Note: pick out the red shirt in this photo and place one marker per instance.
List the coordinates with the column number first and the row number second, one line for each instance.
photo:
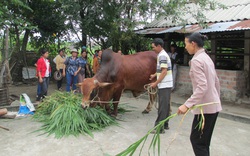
column 41, row 67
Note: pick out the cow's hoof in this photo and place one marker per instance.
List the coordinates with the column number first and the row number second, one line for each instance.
column 145, row 112
column 113, row 115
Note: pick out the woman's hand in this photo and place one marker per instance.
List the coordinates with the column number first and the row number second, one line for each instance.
column 40, row 80
column 182, row 109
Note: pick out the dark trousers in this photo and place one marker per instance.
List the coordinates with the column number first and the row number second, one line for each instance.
column 164, row 105
column 201, row 140
column 44, row 88
column 39, row 88
column 59, row 83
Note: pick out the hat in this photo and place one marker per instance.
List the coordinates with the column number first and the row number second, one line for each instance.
column 74, row 50
column 57, row 75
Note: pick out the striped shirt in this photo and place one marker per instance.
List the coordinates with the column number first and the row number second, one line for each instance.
column 163, row 61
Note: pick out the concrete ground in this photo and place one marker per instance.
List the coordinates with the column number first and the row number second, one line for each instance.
column 230, row 138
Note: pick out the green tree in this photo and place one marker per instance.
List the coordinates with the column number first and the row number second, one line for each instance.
column 110, row 22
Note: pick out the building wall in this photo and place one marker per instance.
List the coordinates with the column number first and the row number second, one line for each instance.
column 232, row 83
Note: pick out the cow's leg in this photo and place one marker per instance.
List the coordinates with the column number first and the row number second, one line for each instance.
column 152, row 98
column 116, row 99
column 105, row 95
column 107, row 107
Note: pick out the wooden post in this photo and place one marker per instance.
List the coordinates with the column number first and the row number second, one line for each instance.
column 247, row 57
column 3, row 111
column 5, row 57
column 213, row 47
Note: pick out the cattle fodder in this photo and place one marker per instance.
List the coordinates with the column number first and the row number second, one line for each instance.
column 155, row 142
column 62, row 115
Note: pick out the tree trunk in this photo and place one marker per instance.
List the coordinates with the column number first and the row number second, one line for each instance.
column 17, row 38
column 25, row 40
column 23, row 50
column 6, row 44
column 84, row 39
column 59, row 43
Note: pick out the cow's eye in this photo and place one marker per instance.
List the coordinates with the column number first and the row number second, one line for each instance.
column 93, row 94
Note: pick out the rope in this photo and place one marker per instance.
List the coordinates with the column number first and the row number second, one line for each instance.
column 151, row 91
column 147, row 87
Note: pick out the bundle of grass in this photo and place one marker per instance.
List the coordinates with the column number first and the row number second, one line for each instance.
column 63, row 115
column 155, row 142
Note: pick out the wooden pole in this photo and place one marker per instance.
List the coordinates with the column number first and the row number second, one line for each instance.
column 3, row 111
column 7, row 129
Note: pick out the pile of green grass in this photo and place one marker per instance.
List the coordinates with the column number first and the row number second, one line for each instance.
column 62, row 115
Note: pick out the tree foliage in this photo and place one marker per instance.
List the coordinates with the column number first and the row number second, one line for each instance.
column 107, row 22
column 111, row 22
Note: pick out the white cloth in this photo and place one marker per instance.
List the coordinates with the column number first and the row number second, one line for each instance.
column 28, row 102
column 47, row 67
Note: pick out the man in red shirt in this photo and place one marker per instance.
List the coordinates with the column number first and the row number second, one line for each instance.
column 43, row 73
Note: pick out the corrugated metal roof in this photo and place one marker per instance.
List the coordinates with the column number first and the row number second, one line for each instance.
column 237, row 10
column 212, row 27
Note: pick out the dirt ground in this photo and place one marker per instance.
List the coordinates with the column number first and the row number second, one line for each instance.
column 230, row 138
column 30, row 88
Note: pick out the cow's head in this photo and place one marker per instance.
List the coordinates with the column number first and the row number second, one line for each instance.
column 88, row 86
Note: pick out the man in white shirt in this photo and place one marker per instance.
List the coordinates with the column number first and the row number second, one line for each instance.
column 164, row 82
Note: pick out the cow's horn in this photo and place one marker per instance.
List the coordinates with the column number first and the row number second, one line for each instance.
column 101, row 84
column 104, row 84
column 96, row 82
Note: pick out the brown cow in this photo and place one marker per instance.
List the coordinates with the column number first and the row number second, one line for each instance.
column 119, row 73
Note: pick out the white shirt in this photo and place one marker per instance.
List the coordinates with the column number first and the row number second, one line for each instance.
column 47, row 68
column 163, row 61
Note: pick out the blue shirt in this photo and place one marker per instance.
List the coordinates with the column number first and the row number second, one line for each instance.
column 82, row 62
column 71, row 65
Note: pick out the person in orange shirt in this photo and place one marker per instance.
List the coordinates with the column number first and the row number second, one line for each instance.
column 97, row 62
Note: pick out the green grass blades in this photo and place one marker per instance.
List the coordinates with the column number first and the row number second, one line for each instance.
column 62, row 115
column 154, row 142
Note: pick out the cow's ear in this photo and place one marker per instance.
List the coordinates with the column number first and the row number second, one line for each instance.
column 79, row 84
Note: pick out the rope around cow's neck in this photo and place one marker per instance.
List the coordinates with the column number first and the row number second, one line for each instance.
column 147, row 87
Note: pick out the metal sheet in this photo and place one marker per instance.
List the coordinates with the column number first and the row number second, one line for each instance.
column 212, row 27
column 236, row 10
